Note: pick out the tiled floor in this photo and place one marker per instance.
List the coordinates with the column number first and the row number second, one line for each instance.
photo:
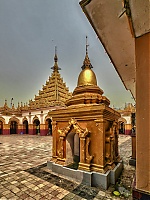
column 24, row 176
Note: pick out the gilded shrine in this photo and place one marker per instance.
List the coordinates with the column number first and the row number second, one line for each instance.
column 85, row 133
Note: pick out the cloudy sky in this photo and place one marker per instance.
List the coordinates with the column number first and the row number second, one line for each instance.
column 29, row 31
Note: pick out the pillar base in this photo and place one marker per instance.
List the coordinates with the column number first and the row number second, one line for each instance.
column 139, row 194
column 84, row 166
column 98, row 168
column 132, row 162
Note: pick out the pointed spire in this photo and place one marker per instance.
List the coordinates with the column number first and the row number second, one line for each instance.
column 55, row 57
column 55, row 67
column 87, row 45
column 5, row 101
column 5, row 104
column 21, row 104
column 18, row 106
column 13, row 106
column 86, row 62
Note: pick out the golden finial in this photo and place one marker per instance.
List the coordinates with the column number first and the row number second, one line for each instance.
column 18, row 105
column 87, row 44
column 86, row 62
column 55, row 57
column 55, row 67
column 5, row 104
column 21, row 104
column 5, row 101
column 13, row 106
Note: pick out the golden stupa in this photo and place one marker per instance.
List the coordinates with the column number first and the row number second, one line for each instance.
column 87, row 76
column 86, row 131
column 87, row 91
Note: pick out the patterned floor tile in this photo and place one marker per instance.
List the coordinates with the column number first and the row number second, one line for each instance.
column 24, row 176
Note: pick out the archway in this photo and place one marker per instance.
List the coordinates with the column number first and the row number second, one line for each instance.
column 25, row 127
column 122, row 121
column 72, row 150
column 13, row 127
column 36, row 127
column 1, row 127
column 48, row 123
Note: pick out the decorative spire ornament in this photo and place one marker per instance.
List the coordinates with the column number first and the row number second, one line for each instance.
column 55, row 67
column 86, row 62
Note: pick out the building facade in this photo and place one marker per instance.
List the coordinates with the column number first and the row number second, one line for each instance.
column 126, row 123
column 33, row 118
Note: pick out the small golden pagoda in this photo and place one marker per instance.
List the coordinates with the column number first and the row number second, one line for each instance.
column 85, row 133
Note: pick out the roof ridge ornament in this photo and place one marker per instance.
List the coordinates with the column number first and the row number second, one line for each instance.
column 55, row 67
column 86, row 62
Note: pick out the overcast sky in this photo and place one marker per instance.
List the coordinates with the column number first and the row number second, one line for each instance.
column 29, row 31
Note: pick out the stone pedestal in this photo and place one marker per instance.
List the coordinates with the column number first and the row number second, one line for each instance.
column 93, row 179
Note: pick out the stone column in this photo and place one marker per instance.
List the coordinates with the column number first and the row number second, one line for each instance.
column 108, row 147
column 6, row 129
column 82, row 164
column 41, row 117
column 112, row 148
column 30, row 122
column 54, row 148
column 82, row 150
column 20, row 129
column 128, row 128
column 99, row 162
column 116, row 132
column 43, row 130
column 142, row 51
column 61, row 150
column 31, row 132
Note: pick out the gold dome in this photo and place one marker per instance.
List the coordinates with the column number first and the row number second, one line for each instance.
column 87, row 77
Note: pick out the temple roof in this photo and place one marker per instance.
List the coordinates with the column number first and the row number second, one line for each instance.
column 6, row 110
column 54, row 92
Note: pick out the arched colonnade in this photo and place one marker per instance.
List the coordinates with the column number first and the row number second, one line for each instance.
column 14, row 126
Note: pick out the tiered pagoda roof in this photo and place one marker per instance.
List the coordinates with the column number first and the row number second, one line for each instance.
column 53, row 93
